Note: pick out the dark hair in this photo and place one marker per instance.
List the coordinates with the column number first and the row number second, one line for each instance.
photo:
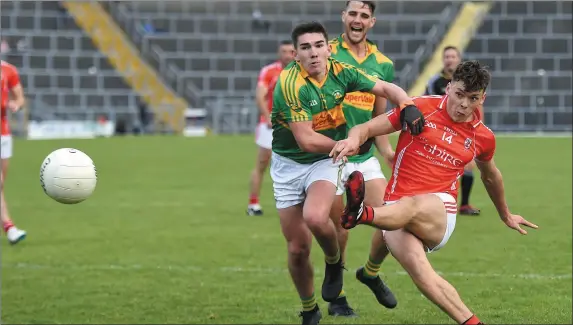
column 370, row 4
column 450, row 47
column 307, row 28
column 473, row 74
column 285, row 42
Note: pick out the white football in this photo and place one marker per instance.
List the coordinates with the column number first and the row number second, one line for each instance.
column 68, row 176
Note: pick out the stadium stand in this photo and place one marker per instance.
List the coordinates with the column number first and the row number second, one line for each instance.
column 209, row 54
column 112, row 41
column 64, row 74
column 528, row 46
column 219, row 37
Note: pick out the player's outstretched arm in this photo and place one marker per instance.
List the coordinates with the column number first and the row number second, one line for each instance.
column 394, row 93
column 493, row 182
column 309, row 140
column 380, row 125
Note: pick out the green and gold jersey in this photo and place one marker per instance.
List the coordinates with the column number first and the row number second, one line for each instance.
column 358, row 106
column 298, row 98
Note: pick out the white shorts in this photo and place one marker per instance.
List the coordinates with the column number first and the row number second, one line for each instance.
column 451, row 213
column 264, row 136
column 5, row 146
column 291, row 180
column 370, row 169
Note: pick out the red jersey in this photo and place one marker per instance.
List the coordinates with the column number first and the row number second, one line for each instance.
column 433, row 161
column 268, row 78
column 9, row 79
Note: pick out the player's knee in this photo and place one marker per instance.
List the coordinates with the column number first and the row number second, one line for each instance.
column 263, row 160
column 298, row 251
column 260, row 169
column 317, row 219
column 262, row 165
column 410, row 206
column 421, row 272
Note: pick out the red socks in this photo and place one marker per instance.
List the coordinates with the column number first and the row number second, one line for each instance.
column 367, row 215
column 7, row 226
column 254, row 199
column 472, row 321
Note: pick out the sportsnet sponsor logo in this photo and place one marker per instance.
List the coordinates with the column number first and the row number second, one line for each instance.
column 360, row 100
column 441, row 156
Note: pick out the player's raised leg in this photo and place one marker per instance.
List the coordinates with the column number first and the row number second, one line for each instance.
column 299, row 243
column 410, row 253
column 411, row 212
column 466, row 188
column 427, row 217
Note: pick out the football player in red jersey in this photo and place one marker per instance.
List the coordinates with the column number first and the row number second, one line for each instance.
column 12, row 98
column 419, row 214
column 437, row 85
column 264, row 133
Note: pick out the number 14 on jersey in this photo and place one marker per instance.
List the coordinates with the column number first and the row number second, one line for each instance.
column 447, row 138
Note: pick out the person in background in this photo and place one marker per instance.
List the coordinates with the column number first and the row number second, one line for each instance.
column 264, row 134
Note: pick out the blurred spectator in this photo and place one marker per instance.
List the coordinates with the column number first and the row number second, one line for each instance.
column 64, row 17
column 22, row 45
column 4, row 46
column 145, row 116
column 259, row 22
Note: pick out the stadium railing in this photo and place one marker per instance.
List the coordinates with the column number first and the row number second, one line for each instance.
column 232, row 116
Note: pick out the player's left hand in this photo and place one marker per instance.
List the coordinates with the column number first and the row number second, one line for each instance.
column 514, row 221
column 412, row 119
column 13, row 106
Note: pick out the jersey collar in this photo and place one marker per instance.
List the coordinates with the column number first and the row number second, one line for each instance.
column 370, row 49
column 305, row 75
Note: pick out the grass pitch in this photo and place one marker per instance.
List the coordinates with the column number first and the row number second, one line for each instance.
column 165, row 239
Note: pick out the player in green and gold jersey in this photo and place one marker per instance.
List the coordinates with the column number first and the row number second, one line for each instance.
column 307, row 119
column 354, row 48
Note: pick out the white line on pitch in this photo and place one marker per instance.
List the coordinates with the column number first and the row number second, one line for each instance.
column 179, row 268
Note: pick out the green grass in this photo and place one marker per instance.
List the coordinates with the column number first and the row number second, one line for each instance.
column 165, row 239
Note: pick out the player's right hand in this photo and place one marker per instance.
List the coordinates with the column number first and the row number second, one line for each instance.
column 412, row 119
column 269, row 122
column 344, row 148
column 13, row 106
column 514, row 221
